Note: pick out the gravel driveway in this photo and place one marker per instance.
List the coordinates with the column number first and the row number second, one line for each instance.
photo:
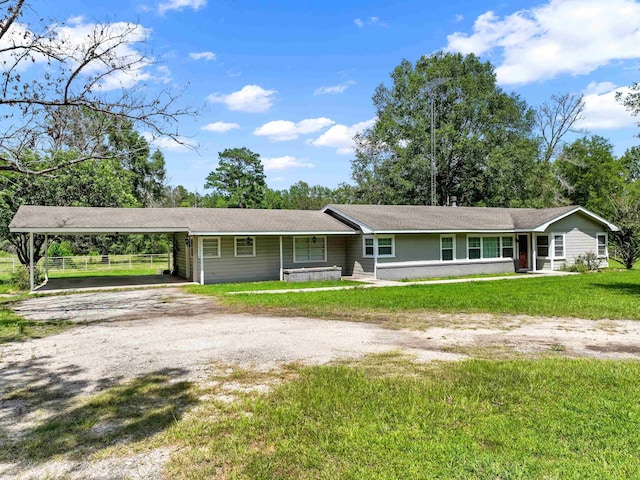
column 127, row 334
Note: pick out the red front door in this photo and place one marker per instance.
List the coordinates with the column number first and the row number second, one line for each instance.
column 523, row 251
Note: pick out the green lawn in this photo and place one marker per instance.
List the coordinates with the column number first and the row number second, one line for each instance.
column 612, row 294
column 271, row 285
column 15, row 328
column 517, row 419
column 136, row 270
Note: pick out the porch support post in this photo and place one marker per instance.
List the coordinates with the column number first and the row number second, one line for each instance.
column 46, row 257
column 534, row 252
column 31, row 273
column 201, row 254
column 552, row 249
column 375, row 256
column 281, row 262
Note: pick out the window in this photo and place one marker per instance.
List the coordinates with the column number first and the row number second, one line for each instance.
column 384, row 243
column 368, row 247
column 447, row 248
column 507, row 247
column 558, row 246
column 309, row 249
column 489, row 247
column 474, row 248
column 245, row 246
column 543, row 246
column 602, row 244
column 211, row 247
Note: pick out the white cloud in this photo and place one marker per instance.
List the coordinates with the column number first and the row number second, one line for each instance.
column 560, row 37
column 284, row 163
column 220, row 127
column 166, row 143
column 202, row 56
column 602, row 110
column 180, row 5
column 340, row 137
column 282, row 130
column 251, row 99
column 369, row 22
column 334, row 89
column 459, row 17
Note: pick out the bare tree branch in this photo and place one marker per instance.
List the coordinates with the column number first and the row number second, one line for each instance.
column 48, row 73
column 555, row 119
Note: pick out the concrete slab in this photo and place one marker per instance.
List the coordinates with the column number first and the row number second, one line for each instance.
column 79, row 284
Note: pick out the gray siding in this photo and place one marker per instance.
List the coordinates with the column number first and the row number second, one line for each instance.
column 335, row 253
column 266, row 264
column 180, row 268
column 445, row 269
column 414, row 247
column 355, row 263
column 580, row 238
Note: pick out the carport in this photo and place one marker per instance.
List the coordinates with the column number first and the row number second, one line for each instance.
column 57, row 221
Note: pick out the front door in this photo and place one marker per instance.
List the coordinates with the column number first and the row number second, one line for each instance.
column 523, row 252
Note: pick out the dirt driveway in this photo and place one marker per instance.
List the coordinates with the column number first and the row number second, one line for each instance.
column 127, row 335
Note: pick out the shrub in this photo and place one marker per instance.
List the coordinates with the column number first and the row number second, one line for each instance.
column 588, row 262
column 20, row 277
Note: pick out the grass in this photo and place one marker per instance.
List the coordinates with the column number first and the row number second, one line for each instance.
column 607, row 295
column 222, row 288
column 14, row 328
column 137, row 270
column 483, row 275
column 389, row 418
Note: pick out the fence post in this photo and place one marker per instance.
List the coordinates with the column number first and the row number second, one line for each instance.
column 62, row 264
column 109, row 261
column 86, row 264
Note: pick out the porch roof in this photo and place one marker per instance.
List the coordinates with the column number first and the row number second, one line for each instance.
column 195, row 221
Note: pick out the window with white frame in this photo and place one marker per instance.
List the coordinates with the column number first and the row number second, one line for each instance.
column 601, row 243
column 507, row 247
column 447, row 248
column 489, row 246
column 542, row 243
column 211, row 247
column 245, row 246
column 558, row 245
column 385, row 245
column 309, row 249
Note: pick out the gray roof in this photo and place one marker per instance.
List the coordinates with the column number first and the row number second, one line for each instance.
column 192, row 220
column 398, row 218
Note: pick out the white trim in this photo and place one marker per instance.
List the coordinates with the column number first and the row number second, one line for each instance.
column 544, row 226
column 376, row 247
column 431, row 263
column 281, row 261
column 253, row 233
column 534, row 252
column 363, row 226
column 201, row 254
column 86, row 230
column 453, row 249
column 548, row 245
column 323, row 237
column 195, row 259
column 31, row 265
column 187, row 256
column 235, row 246
column 217, row 255
column 606, row 244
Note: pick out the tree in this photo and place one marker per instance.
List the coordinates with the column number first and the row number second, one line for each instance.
column 473, row 118
column 239, row 178
column 589, row 173
column 100, row 184
column 625, row 214
column 50, row 76
column 301, row 196
column 555, row 119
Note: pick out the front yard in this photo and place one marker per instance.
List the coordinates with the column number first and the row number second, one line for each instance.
column 606, row 295
column 184, row 387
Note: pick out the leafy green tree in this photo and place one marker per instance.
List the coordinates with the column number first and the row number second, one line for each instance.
column 625, row 214
column 105, row 184
column 589, row 173
column 239, row 178
column 301, row 196
column 474, row 118
column 631, row 162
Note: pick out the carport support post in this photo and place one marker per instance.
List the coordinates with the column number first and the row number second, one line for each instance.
column 375, row 256
column 46, row 257
column 281, row 264
column 201, row 254
column 31, row 275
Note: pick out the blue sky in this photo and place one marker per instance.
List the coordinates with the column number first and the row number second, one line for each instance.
column 293, row 80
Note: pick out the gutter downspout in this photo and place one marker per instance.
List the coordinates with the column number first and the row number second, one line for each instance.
column 31, row 273
column 534, row 251
column 281, row 262
column 552, row 250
